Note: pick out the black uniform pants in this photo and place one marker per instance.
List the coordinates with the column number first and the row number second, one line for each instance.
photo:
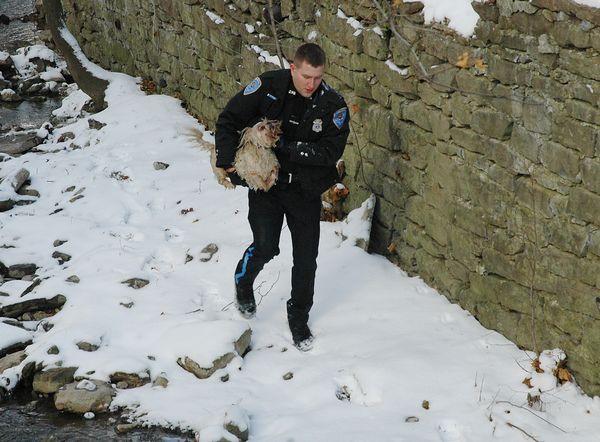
column 266, row 213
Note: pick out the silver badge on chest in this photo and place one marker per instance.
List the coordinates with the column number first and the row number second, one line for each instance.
column 317, row 125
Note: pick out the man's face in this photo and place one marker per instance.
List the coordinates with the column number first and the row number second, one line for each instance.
column 306, row 77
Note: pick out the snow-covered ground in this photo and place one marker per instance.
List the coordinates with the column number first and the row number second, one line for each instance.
column 385, row 343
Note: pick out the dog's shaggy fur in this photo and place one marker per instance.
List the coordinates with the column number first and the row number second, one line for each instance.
column 255, row 162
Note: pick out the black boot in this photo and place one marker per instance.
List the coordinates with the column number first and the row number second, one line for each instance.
column 245, row 301
column 298, row 321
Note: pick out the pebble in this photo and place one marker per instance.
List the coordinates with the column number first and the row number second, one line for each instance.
column 89, row 415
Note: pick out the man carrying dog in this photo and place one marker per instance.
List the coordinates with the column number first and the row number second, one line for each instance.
column 315, row 129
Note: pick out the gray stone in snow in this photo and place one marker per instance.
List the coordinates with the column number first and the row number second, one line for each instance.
column 32, row 305
column 61, row 257
column 70, row 398
column 17, row 271
column 95, row 124
column 159, row 165
column 49, row 381
column 136, row 283
column 130, row 380
column 241, row 346
column 59, row 242
column 53, row 350
column 66, row 136
column 86, row 346
column 74, row 279
column 161, row 381
column 207, row 252
column 289, row 375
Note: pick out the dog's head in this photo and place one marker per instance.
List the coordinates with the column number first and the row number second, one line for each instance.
column 265, row 133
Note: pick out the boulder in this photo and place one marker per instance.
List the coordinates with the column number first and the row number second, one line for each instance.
column 9, row 95
column 32, row 305
column 12, row 360
column 237, row 423
column 17, row 271
column 49, row 381
column 78, row 397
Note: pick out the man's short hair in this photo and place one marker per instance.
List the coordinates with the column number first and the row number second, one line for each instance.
column 312, row 53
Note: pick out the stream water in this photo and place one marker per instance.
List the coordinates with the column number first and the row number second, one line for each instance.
column 26, row 418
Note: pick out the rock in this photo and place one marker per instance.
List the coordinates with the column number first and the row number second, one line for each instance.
column 26, row 191
column 59, row 242
column 89, row 415
column 78, row 400
column 131, row 380
column 289, row 375
column 32, row 305
column 122, row 385
column 127, row 304
column 136, row 283
column 6, row 205
column 16, row 179
column 17, row 271
column 74, row 279
column 126, row 428
column 61, row 257
column 158, row 165
column 237, row 423
column 32, row 286
column 12, row 360
column 411, row 419
column 3, row 269
column 4, row 19
column 86, row 346
column 53, row 350
column 241, row 346
column 207, row 252
column 161, row 381
column 49, row 381
column 66, row 136
column 95, row 124
column 9, row 95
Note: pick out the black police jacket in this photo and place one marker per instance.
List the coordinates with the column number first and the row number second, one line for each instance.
column 320, row 137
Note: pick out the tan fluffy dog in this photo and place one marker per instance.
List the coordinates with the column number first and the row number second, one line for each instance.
column 255, row 162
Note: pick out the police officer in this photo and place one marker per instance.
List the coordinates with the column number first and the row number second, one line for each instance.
column 315, row 129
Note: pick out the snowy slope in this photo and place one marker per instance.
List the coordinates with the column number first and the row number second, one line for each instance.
column 385, row 341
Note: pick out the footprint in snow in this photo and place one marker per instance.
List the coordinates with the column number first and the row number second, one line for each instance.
column 451, row 431
column 173, row 234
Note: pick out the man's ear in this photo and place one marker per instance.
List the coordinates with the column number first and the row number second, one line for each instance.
column 292, row 67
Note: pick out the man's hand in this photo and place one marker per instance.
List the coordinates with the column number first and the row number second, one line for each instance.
column 230, row 169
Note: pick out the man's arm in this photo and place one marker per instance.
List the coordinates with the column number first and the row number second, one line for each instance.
column 238, row 113
column 327, row 150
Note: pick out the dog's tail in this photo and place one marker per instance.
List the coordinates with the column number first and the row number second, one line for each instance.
column 197, row 136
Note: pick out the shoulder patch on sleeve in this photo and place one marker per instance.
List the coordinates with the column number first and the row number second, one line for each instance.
column 253, row 86
column 339, row 116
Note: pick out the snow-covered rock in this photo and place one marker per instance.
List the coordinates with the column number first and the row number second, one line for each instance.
column 76, row 399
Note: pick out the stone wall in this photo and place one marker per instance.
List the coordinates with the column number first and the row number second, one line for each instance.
column 486, row 165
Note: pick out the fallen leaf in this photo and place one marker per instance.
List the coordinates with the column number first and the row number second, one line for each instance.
column 527, row 381
column 479, row 64
column 425, row 404
column 463, row 61
column 536, row 365
column 391, row 248
column 563, row 375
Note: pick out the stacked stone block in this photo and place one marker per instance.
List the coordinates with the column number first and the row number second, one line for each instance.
column 486, row 166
